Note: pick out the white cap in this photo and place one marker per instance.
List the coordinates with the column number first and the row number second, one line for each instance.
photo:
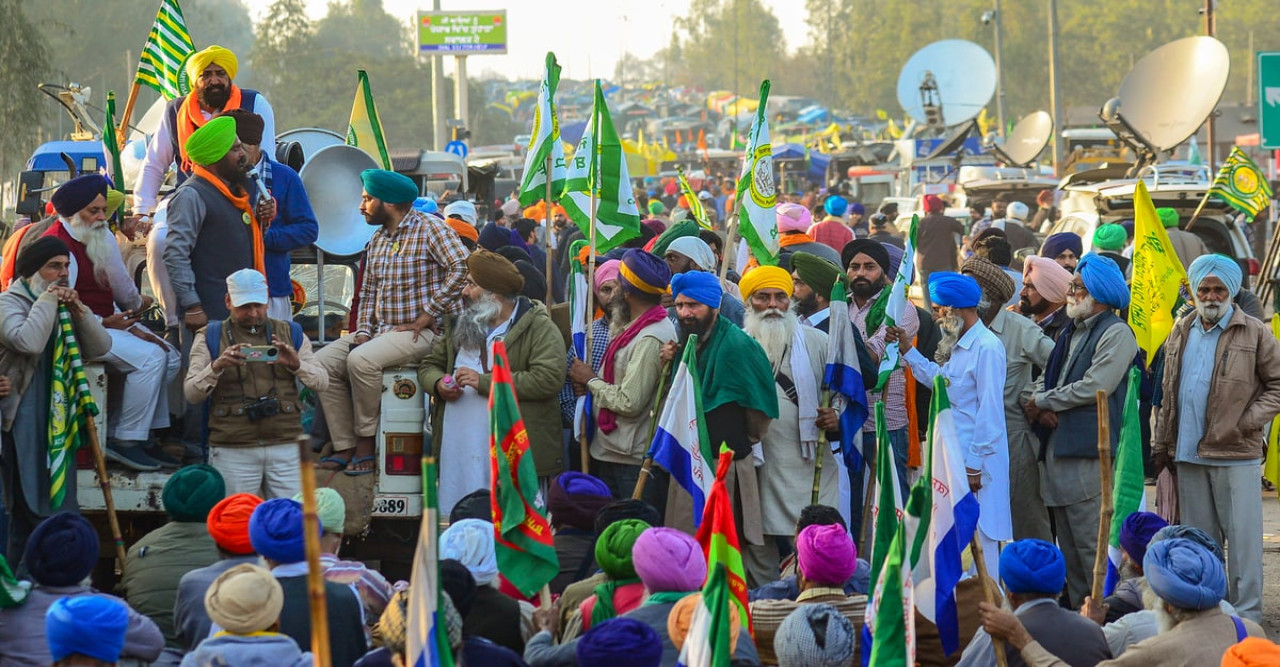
column 247, row 286
column 1017, row 210
column 510, row 208
column 463, row 209
column 704, row 195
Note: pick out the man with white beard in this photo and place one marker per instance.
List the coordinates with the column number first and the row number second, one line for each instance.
column 1093, row 353
column 797, row 355
column 1221, row 389
column 972, row 360
column 458, row 372
column 146, row 363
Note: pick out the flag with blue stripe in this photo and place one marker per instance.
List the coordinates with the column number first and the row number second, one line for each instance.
column 843, row 379
column 680, row 443
column 426, row 638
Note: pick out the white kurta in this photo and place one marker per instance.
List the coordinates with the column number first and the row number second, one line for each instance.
column 975, row 375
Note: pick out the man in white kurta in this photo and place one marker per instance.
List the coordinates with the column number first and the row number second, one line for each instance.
column 790, row 447
column 973, row 364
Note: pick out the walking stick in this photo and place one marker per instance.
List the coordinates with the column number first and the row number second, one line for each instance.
column 658, row 398
column 1104, row 514
column 980, row 563
column 315, row 577
column 822, row 444
column 104, row 483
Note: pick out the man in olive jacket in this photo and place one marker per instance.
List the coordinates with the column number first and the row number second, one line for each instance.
column 458, row 371
column 1221, row 389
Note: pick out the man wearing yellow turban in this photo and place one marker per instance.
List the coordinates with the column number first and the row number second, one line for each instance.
column 210, row 73
column 797, row 355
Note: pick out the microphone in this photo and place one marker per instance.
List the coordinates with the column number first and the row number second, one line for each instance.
column 263, row 195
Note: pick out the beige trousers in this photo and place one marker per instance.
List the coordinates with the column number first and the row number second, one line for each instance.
column 351, row 403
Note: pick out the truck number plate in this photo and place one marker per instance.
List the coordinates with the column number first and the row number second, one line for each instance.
column 391, row 506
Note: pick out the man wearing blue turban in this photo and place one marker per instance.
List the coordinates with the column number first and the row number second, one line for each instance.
column 1093, row 353
column 972, row 360
column 1222, row 387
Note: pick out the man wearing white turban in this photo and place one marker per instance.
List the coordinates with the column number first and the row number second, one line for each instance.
column 1221, row 388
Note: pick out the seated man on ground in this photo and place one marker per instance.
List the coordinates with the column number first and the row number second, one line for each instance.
column 245, row 602
column 228, row 525
column 86, row 630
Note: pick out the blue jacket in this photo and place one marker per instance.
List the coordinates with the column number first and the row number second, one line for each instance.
column 294, row 226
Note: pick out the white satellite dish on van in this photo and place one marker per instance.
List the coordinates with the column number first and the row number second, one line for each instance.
column 947, row 82
column 1027, row 141
column 1167, row 96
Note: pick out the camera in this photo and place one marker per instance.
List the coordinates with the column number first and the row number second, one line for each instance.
column 260, row 353
column 261, row 408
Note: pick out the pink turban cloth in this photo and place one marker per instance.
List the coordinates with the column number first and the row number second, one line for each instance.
column 793, row 218
column 1048, row 277
column 826, row 554
column 667, row 559
column 605, row 272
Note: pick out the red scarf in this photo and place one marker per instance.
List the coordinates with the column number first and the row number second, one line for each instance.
column 242, row 203
column 608, row 421
column 190, row 119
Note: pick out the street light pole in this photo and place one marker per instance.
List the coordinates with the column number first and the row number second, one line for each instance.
column 999, row 18
column 1055, row 89
column 1210, row 27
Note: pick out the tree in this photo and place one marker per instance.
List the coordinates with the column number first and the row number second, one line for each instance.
column 283, row 33
column 24, row 54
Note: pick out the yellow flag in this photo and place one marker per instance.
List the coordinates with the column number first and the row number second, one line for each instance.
column 364, row 130
column 1157, row 276
column 984, row 122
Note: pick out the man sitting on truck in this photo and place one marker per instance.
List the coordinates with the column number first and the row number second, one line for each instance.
column 246, row 368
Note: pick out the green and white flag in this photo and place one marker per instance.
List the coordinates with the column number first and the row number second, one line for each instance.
column 757, row 192
column 598, row 167
column 544, row 142
column 890, row 307
column 165, row 53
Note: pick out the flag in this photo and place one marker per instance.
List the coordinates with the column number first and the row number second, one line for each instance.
column 1193, row 151
column 426, row 637
column 680, row 441
column 941, row 517
column 886, row 516
column 757, row 222
column 718, row 536
column 696, row 211
column 890, row 307
column 364, row 130
column 891, row 642
column 544, row 142
column 599, row 169
column 1242, row 184
column 702, row 143
column 844, row 380
column 70, row 405
column 1128, row 488
column 525, row 549
column 579, row 320
column 1157, row 276
column 111, row 148
column 165, row 53
column 708, row 642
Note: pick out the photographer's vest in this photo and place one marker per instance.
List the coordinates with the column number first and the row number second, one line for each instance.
column 229, row 426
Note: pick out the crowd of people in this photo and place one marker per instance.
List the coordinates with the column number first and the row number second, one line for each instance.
column 1024, row 351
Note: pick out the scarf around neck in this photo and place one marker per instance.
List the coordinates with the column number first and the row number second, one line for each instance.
column 608, row 421
column 241, row 202
column 191, row 118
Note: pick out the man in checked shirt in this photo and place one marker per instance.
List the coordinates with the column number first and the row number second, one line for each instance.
column 415, row 267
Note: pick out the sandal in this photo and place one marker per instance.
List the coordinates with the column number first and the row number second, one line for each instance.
column 358, row 460
column 339, row 464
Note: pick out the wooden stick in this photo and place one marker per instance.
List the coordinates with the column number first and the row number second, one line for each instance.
column 822, row 445
column 122, row 130
column 546, row 201
column 980, row 564
column 315, row 576
column 104, row 483
column 1195, row 216
column 869, row 481
column 658, row 398
column 730, row 231
column 1104, row 514
column 544, row 597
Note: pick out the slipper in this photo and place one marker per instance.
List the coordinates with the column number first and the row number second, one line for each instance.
column 360, row 459
column 341, row 463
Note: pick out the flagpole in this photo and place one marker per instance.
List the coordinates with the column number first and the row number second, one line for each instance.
column 125, row 117
column 584, row 448
column 104, row 483
column 1107, row 508
column 822, row 444
column 980, row 564
column 1203, row 200
column 664, row 375
column 547, row 228
column 311, row 535
column 730, row 231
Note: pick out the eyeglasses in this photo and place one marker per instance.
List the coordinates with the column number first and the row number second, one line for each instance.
column 1072, row 288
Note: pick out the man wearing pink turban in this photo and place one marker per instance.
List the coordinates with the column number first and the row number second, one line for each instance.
column 794, row 222
column 1044, row 293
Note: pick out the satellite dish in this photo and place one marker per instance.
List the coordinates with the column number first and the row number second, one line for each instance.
column 1027, row 141
column 954, row 142
column 1168, row 95
column 947, row 82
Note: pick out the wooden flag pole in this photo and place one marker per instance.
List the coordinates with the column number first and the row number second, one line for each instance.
column 822, row 445
column 731, row 231
column 546, row 204
column 653, row 429
column 122, row 130
column 104, row 483
column 583, row 447
column 988, row 592
column 315, row 576
column 1194, row 216
column 1104, row 514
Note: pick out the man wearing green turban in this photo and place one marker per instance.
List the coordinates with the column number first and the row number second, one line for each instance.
column 622, row 590
column 1109, row 241
column 1186, row 244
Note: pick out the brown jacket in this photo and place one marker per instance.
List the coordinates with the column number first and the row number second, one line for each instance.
column 1244, row 394
column 1196, row 642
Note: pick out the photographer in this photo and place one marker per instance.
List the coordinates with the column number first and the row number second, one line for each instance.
column 245, row 369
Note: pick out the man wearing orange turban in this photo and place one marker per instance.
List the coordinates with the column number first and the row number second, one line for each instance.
column 228, row 524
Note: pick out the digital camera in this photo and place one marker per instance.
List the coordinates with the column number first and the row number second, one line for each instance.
column 261, row 408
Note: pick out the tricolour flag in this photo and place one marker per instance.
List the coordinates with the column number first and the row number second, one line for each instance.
column 757, row 191
column 364, row 130
column 708, row 643
column 426, row 637
column 599, row 169
column 165, row 53
column 941, row 518
column 680, row 442
column 718, row 536
column 1158, row 276
column 544, row 142
column 890, row 307
column 525, row 549
column 579, row 320
column 886, row 518
column 696, row 211
column 1242, row 184
column 70, row 406
column 843, row 378
column 1128, row 489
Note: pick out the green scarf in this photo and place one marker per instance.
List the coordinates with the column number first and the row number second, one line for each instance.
column 604, row 609
column 733, row 368
column 665, row 597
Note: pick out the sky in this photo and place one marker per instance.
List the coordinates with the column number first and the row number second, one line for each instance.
column 587, row 36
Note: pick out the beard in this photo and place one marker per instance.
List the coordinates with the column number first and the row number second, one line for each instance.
column 865, row 289
column 98, row 245
column 471, row 331
column 40, row 285
column 618, row 314
column 696, row 325
column 773, row 329
column 377, row 217
column 1081, row 308
column 1211, row 312
column 985, row 307
column 1027, row 308
column 806, row 307
column 951, row 325
column 213, row 97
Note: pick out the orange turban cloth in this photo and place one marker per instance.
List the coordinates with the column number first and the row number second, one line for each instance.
column 228, row 523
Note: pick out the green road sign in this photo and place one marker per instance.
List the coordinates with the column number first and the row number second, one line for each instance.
column 1269, row 99
column 462, row 33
